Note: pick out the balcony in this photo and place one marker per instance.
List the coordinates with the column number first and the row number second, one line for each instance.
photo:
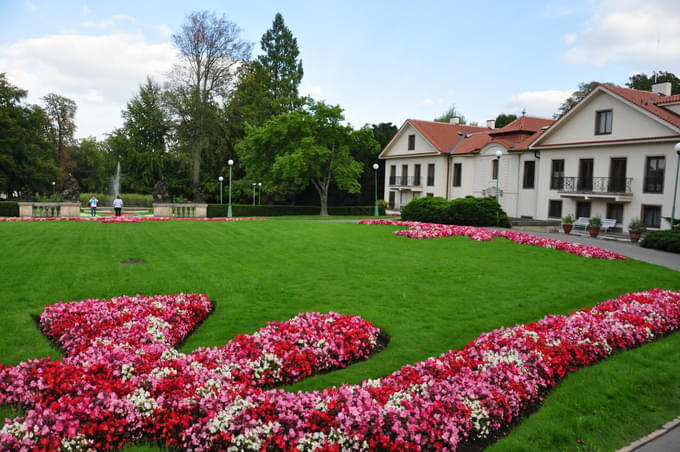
column 615, row 188
column 413, row 183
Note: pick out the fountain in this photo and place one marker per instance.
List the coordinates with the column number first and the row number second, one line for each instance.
column 115, row 183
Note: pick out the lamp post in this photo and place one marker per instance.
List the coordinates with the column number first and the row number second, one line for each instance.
column 220, row 179
column 54, row 187
column 675, row 191
column 231, row 163
column 498, row 176
column 254, row 184
column 375, row 170
column 259, row 193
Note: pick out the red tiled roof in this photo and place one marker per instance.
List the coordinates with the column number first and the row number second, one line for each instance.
column 647, row 101
column 524, row 144
column 443, row 135
column 523, row 124
column 668, row 99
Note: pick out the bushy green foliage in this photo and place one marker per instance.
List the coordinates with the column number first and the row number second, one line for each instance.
column 427, row 210
column 9, row 209
column 468, row 211
column 248, row 210
column 129, row 199
column 668, row 240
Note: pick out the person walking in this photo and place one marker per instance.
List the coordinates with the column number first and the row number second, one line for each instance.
column 93, row 206
column 118, row 205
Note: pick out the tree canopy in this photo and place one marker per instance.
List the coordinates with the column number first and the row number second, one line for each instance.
column 503, row 120
column 644, row 82
column 451, row 113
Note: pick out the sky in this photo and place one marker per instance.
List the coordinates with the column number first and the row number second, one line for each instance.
column 381, row 61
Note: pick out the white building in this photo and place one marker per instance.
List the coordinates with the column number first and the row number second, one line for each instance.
column 612, row 156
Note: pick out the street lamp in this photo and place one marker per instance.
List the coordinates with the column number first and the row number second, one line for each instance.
column 231, row 163
column 259, row 193
column 675, row 191
column 220, row 179
column 498, row 176
column 254, row 184
column 375, row 169
column 54, row 189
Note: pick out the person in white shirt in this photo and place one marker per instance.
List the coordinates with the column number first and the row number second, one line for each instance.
column 118, row 205
column 93, row 206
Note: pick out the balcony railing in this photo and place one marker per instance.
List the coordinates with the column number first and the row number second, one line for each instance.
column 592, row 184
column 405, row 181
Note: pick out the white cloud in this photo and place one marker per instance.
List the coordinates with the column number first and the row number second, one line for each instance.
column 86, row 10
column 570, row 38
column 115, row 21
column 535, row 103
column 630, row 32
column 31, row 6
column 164, row 30
column 431, row 102
column 100, row 73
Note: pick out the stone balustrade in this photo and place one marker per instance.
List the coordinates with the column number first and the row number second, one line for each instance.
column 180, row 210
column 49, row 209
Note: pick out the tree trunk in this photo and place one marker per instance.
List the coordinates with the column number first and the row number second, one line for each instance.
column 322, row 190
column 196, row 157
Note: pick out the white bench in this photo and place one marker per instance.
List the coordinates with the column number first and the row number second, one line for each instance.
column 582, row 222
column 608, row 224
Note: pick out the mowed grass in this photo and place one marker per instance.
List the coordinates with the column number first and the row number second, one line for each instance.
column 428, row 295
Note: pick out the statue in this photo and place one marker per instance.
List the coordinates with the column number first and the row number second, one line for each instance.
column 160, row 192
column 25, row 193
column 71, row 191
column 199, row 196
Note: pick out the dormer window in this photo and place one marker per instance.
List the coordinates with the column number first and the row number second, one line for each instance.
column 411, row 142
column 603, row 122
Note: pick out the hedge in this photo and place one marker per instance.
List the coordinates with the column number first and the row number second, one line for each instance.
column 248, row 210
column 9, row 209
column 668, row 240
column 468, row 211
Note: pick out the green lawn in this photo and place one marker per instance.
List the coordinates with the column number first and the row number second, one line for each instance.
column 428, row 295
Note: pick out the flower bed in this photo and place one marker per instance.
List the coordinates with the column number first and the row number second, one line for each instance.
column 123, row 380
column 417, row 230
column 123, row 219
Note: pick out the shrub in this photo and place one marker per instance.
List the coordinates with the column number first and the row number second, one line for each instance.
column 668, row 240
column 129, row 199
column 471, row 211
column 427, row 210
column 9, row 209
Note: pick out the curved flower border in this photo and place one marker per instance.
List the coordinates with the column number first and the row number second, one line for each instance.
column 123, row 380
column 417, row 230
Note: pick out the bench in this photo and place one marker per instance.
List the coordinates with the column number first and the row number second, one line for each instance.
column 582, row 222
column 608, row 224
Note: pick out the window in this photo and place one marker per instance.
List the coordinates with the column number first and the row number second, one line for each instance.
column 529, row 174
column 404, row 174
column 615, row 212
column 582, row 209
column 651, row 216
column 585, row 175
column 494, row 169
column 555, row 208
column 430, row 174
column 393, row 174
column 430, row 195
column 457, row 174
column 603, row 122
column 654, row 174
column 617, row 176
column 557, row 175
column 416, row 175
column 411, row 142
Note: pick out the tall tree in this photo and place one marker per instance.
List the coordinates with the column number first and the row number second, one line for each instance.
column 306, row 146
column 451, row 113
column 61, row 112
column 503, row 120
column 94, row 165
column 211, row 49
column 583, row 90
column 26, row 156
column 140, row 144
column 644, row 82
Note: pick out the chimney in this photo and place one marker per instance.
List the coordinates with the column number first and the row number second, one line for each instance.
column 491, row 123
column 663, row 88
column 454, row 120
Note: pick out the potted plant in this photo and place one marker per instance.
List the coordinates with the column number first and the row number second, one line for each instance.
column 567, row 223
column 635, row 229
column 595, row 223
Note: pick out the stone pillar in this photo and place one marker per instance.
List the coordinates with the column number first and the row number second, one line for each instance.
column 162, row 209
column 201, row 211
column 25, row 209
column 69, row 209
